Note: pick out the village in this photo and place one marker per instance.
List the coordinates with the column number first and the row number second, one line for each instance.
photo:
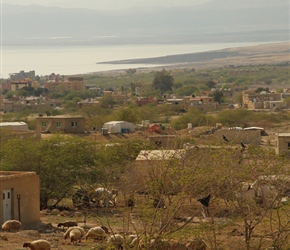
column 204, row 170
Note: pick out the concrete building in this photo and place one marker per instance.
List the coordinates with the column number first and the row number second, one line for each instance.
column 239, row 135
column 16, row 130
column 204, row 103
column 19, row 84
column 20, row 197
column 60, row 124
column 22, row 74
column 283, row 144
column 14, row 125
column 253, row 100
column 37, row 104
column 72, row 83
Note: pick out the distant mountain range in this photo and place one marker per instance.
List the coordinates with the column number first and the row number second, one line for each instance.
column 215, row 21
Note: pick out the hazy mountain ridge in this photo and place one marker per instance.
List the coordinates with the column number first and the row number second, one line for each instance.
column 37, row 24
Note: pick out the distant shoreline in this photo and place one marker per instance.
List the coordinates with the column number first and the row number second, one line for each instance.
column 272, row 53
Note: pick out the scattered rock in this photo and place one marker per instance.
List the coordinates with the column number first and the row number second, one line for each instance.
column 4, row 237
column 55, row 212
column 66, row 213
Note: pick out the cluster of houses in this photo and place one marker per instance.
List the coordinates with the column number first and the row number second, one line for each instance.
column 20, row 190
column 204, row 101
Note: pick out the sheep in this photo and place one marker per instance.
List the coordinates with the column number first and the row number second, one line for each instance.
column 134, row 243
column 68, row 224
column 97, row 233
column 66, row 234
column 117, row 241
column 37, row 245
column 75, row 235
column 105, row 196
column 9, row 225
column 130, row 202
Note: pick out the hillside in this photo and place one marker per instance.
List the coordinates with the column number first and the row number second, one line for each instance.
column 216, row 20
column 274, row 53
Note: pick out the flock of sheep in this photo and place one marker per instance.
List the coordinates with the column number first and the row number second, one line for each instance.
column 103, row 237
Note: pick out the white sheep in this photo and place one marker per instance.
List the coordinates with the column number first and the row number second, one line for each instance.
column 13, row 225
column 134, row 243
column 38, row 245
column 97, row 233
column 117, row 241
column 105, row 197
column 67, row 232
column 75, row 235
column 131, row 240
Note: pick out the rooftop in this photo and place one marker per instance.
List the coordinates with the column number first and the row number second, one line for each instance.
column 14, row 174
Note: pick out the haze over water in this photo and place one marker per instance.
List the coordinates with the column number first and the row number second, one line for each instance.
column 69, row 60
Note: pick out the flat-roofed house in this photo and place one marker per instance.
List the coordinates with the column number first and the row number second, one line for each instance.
column 60, row 124
column 152, row 164
column 283, row 144
column 20, row 197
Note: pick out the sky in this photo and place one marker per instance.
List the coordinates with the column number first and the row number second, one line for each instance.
column 106, row 4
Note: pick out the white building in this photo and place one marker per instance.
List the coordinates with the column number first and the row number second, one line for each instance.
column 14, row 125
column 115, row 127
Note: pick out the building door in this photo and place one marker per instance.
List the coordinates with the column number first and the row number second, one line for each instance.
column 7, row 205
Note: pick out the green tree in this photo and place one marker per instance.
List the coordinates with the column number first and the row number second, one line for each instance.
column 218, row 96
column 128, row 115
column 60, row 161
column 193, row 116
column 163, row 81
column 107, row 101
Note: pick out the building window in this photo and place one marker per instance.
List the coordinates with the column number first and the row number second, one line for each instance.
column 43, row 124
column 74, row 124
column 57, row 124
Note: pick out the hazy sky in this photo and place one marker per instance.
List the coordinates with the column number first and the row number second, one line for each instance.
column 106, row 4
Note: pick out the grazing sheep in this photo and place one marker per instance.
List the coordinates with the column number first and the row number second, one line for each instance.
column 13, row 225
column 68, row 224
column 104, row 197
column 130, row 202
column 134, row 243
column 117, row 241
column 97, row 233
column 38, row 245
column 75, row 236
column 66, row 234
